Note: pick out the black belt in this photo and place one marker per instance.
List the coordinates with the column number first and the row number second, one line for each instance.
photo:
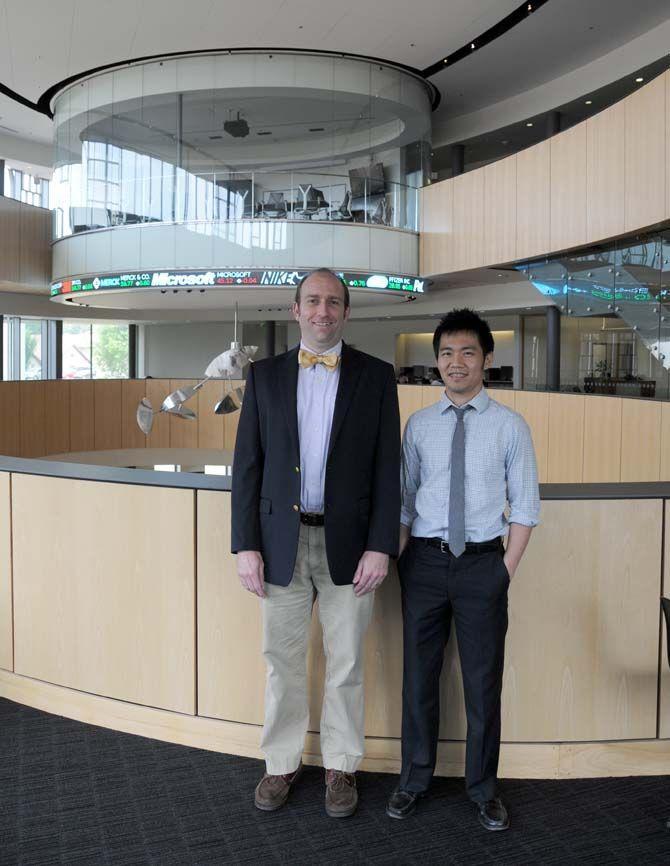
column 311, row 518
column 470, row 546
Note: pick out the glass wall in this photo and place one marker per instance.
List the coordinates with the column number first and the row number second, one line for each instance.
column 202, row 139
column 615, row 327
column 95, row 351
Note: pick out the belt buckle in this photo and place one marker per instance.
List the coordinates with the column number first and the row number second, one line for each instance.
column 444, row 547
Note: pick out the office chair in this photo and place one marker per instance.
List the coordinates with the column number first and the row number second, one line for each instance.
column 312, row 201
column 665, row 605
column 275, row 206
column 342, row 213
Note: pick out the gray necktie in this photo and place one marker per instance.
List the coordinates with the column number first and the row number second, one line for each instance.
column 457, row 485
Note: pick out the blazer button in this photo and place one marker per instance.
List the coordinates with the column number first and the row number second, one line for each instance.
column 297, row 469
column 296, row 508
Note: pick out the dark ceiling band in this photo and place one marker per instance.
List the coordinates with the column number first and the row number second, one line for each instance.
column 516, row 17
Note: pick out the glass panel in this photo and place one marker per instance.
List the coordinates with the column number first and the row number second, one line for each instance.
column 77, row 350
column 110, row 351
column 30, row 362
column 664, row 303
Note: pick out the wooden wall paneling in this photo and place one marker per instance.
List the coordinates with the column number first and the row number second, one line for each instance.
column 57, row 416
column 436, row 240
column 10, row 435
column 533, row 189
column 184, row 433
column 605, row 161
column 506, row 396
column 82, row 415
column 602, row 439
column 410, row 399
column 108, row 413
column 106, row 602
column 534, row 408
column 132, row 391
column 667, row 143
column 665, row 443
column 500, row 211
column 640, row 440
column 10, row 232
column 590, row 575
column 468, row 230
column 210, row 426
column 568, row 188
column 664, row 695
column 566, row 438
column 32, row 409
column 430, row 394
column 35, row 249
column 6, row 624
column 157, row 390
column 645, row 155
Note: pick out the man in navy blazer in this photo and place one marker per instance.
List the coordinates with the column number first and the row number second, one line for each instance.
column 315, row 505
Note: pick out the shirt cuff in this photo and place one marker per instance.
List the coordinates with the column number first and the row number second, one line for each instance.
column 407, row 518
column 523, row 519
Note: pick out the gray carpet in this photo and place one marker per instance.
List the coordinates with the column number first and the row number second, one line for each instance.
column 78, row 795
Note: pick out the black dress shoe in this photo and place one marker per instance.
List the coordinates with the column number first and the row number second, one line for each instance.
column 493, row 815
column 402, row 803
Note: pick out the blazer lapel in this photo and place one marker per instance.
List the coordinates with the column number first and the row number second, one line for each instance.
column 287, row 386
column 350, row 371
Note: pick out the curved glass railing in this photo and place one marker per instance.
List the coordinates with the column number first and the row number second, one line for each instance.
column 99, row 194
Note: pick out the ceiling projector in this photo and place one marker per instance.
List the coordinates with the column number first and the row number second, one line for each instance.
column 237, row 128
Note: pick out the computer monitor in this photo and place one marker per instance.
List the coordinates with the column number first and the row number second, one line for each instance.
column 368, row 180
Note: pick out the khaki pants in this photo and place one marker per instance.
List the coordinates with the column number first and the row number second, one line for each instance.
column 287, row 613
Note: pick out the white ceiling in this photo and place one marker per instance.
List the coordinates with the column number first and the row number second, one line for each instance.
column 43, row 42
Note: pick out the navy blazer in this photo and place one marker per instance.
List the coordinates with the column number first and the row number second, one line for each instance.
column 362, row 485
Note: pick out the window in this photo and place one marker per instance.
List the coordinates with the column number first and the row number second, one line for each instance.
column 95, row 351
column 26, row 187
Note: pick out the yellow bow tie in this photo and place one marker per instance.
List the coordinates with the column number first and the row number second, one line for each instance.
column 309, row 359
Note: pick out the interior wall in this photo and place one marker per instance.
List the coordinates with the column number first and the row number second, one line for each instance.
column 183, row 351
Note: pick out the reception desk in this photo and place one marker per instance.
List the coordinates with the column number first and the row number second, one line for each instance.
column 120, row 606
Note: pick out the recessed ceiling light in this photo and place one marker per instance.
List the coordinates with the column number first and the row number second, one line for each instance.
column 317, row 129
column 530, row 123
column 588, row 102
column 472, row 45
column 639, row 79
column 505, row 141
column 500, row 275
column 264, row 133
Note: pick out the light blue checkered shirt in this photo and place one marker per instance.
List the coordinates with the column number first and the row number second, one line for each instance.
column 500, row 470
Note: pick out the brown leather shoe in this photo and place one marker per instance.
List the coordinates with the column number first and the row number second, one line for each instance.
column 341, row 794
column 272, row 791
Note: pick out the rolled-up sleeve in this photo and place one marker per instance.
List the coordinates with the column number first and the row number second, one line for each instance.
column 410, row 476
column 523, row 492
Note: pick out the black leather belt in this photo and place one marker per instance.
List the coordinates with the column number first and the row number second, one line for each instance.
column 470, row 546
column 310, row 518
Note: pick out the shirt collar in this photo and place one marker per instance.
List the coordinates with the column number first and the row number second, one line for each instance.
column 479, row 402
column 336, row 350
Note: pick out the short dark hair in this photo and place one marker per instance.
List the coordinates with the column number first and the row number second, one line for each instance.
column 340, row 280
column 465, row 320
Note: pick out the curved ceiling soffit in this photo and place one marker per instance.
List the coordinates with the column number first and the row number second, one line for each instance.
column 43, row 104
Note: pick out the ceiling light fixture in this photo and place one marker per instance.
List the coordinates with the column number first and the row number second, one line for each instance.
column 472, row 46
column 530, row 123
column 639, row 79
column 588, row 102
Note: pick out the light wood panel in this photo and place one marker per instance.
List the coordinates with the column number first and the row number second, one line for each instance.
column 640, row 440
column 32, row 406
column 183, row 433
column 210, row 426
column 645, row 155
column 57, row 416
column 500, row 211
column 534, row 408
column 503, row 395
column 82, row 416
column 105, row 602
column 6, row 624
column 568, row 188
column 10, row 428
column 108, row 413
column 468, row 229
column 664, row 692
column 436, row 240
column 605, row 134
column 132, row 391
column 10, row 258
column 590, row 576
column 665, row 443
column 430, row 394
column 533, row 190
column 517, row 760
column 566, row 438
column 667, row 142
column 602, row 439
column 410, row 400
column 35, row 249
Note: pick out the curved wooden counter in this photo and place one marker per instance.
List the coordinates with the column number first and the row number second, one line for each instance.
column 120, row 606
